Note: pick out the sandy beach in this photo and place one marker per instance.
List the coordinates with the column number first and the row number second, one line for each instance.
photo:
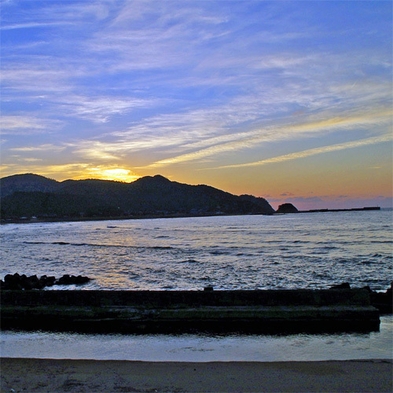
column 52, row 376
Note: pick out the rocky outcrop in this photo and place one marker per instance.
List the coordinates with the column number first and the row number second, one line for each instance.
column 287, row 208
column 70, row 280
column 23, row 282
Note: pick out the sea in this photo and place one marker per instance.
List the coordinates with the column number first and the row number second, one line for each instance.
column 307, row 250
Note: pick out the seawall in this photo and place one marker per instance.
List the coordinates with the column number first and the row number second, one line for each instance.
column 260, row 311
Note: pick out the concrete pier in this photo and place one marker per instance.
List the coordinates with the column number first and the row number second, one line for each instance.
column 260, row 311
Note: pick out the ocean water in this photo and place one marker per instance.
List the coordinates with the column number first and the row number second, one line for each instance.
column 312, row 250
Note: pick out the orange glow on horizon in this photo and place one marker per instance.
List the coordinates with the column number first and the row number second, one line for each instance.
column 114, row 174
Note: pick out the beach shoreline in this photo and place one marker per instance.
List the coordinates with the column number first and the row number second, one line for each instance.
column 54, row 375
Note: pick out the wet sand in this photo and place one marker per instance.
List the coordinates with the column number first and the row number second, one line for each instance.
column 52, row 376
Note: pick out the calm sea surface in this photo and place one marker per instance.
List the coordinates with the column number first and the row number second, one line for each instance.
column 313, row 250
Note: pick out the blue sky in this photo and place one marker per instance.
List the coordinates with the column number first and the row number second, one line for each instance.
column 289, row 100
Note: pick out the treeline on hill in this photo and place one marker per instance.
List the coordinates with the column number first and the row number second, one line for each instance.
column 30, row 195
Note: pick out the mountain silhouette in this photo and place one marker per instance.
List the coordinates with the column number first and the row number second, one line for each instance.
column 28, row 195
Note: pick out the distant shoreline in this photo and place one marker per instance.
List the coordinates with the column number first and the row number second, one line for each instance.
column 353, row 209
column 29, row 220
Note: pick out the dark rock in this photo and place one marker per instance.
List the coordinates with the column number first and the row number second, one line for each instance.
column 344, row 285
column 287, row 208
column 23, row 282
column 11, row 278
column 65, row 280
column 31, row 282
column 70, row 280
column 208, row 288
column 48, row 281
column 81, row 280
column 12, row 281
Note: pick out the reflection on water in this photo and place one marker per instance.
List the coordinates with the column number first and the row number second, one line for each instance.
column 227, row 252
column 201, row 348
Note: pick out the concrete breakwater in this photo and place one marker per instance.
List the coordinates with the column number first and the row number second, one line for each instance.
column 248, row 311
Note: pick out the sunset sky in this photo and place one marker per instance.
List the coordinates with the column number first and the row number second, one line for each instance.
column 288, row 100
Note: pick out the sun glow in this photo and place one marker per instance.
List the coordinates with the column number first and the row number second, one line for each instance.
column 117, row 174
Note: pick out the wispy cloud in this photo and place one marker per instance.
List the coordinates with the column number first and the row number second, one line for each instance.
column 15, row 122
column 241, row 141
column 315, row 151
column 35, row 80
column 99, row 109
column 24, row 125
column 39, row 148
column 31, row 25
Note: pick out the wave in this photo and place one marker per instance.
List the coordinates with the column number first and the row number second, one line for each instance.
column 100, row 245
column 219, row 252
column 368, row 262
column 192, row 261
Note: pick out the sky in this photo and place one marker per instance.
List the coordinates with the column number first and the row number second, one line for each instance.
column 286, row 100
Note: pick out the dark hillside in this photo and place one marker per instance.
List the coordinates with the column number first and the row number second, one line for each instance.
column 32, row 195
column 27, row 182
column 44, row 205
